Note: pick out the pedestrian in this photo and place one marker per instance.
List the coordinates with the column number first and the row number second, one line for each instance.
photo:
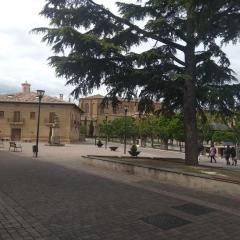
column 227, row 153
column 212, row 153
column 233, row 156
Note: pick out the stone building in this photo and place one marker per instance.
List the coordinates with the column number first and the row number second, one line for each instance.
column 19, row 114
column 95, row 113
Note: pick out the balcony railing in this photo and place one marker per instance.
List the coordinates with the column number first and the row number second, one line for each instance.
column 16, row 121
column 50, row 122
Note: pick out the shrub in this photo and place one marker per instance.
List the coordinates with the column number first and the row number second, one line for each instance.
column 133, row 151
column 99, row 143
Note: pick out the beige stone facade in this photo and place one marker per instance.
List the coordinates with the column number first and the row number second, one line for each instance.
column 19, row 114
column 94, row 112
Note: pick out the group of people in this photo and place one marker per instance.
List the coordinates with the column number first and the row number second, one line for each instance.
column 229, row 152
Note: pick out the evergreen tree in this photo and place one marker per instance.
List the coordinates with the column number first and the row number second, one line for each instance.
column 97, row 47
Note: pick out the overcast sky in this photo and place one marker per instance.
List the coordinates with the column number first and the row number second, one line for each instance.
column 23, row 57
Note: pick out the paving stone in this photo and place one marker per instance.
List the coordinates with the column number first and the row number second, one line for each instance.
column 47, row 201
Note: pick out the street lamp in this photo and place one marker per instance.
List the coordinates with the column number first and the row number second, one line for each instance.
column 40, row 94
column 106, row 140
column 125, row 129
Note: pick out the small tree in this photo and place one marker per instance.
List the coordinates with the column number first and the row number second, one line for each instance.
column 148, row 127
column 106, row 128
column 177, row 128
column 164, row 129
column 122, row 126
column 220, row 136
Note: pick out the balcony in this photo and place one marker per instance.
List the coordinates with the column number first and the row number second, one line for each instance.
column 51, row 123
column 16, row 121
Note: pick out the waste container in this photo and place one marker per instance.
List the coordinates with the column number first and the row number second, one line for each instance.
column 34, row 149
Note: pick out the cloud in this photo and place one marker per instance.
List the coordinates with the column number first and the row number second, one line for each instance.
column 23, row 57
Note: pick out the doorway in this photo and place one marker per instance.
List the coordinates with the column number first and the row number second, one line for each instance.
column 16, row 134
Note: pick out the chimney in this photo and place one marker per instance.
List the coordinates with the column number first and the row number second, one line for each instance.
column 61, row 96
column 26, row 87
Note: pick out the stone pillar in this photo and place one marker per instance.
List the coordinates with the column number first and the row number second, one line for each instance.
column 55, row 138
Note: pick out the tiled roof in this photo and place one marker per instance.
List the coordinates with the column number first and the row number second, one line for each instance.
column 94, row 97
column 30, row 98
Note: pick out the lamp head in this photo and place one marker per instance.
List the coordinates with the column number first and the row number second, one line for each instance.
column 40, row 93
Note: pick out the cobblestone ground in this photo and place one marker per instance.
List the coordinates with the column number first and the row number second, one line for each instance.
column 47, row 200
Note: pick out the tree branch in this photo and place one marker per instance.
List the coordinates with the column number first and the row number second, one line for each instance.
column 139, row 30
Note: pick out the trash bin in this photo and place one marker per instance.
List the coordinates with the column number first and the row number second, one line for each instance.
column 34, row 149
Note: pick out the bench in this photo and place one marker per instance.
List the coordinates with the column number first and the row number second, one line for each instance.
column 113, row 148
column 15, row 146
column 1, row 144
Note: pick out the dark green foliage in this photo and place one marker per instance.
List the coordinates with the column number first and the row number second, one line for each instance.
column 91, row 129
column 134, row 151
column 99, row 143
column 98, row 51
column 220, row 136
column 83, row 129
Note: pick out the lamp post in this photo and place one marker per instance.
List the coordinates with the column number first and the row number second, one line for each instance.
column 40, row 94
column 125, row 129
column 106, row 140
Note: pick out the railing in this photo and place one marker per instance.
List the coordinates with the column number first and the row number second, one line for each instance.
column 16, row 121
column 49, row 122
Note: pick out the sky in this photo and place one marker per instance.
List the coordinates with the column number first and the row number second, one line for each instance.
column 23, row 57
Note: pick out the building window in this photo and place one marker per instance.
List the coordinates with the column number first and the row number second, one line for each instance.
column 16, row 116
column 101, row 109
column 1, row 114
column 32, row 115
column 52, row 117
column 86, row 108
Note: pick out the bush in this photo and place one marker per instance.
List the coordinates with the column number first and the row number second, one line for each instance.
column 99, row 143
column 133, row 151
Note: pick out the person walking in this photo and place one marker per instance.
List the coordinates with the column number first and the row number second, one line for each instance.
column 212, row 153
column 227, row 154
column 233, row 156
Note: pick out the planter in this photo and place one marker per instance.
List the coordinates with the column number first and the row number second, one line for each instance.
column 113, row 148
column 134, row 154
column 100, row 145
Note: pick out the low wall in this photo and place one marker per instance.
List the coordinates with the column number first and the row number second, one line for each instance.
column 161, row 175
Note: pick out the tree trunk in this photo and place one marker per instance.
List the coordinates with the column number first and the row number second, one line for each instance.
column 189, row 105
column 152, row 139
column 165, row 144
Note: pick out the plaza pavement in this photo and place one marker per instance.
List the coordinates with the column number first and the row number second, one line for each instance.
column 56, row 197
column 74, row 151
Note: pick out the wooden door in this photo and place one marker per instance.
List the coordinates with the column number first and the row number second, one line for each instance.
column 16, row 134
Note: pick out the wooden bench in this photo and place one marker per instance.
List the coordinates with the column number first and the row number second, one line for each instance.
column 15, row 146
column 113, row 148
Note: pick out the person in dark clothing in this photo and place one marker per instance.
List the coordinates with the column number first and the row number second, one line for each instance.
column 227, row 154
column 233, row 156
